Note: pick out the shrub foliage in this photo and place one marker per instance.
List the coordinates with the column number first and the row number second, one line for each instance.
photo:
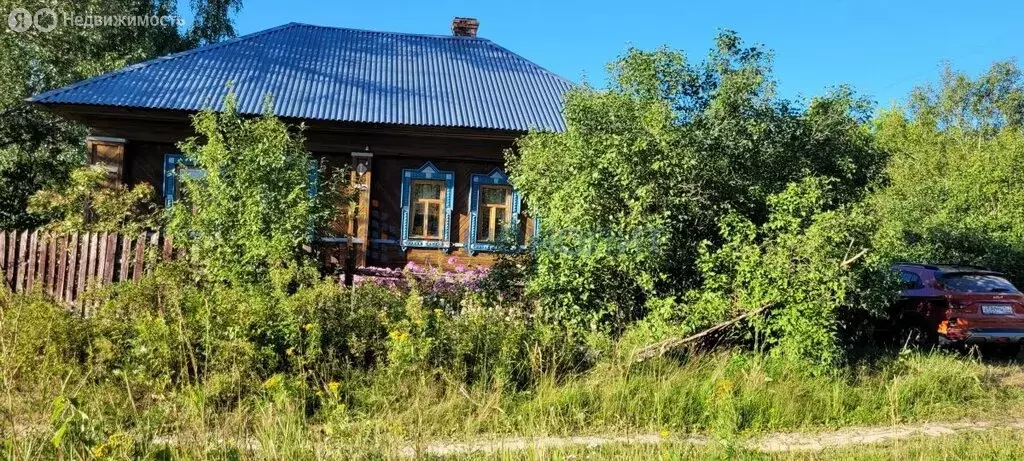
column 258, row 202
column 650, row 169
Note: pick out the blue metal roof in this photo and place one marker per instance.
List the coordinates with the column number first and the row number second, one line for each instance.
column 325, row 73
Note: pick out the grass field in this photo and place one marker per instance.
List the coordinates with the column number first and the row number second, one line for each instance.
column 725, row 397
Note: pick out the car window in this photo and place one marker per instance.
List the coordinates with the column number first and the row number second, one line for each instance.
column 909, row 280
column 978, row 283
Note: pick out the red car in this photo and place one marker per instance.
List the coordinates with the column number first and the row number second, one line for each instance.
column 954, row 305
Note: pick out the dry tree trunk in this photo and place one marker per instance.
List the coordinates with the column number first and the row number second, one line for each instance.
column 659, row 348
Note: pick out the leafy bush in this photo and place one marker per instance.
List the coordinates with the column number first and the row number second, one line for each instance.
column 646, row 170
column 259, row 202
column 810, row 265
column 88, row 204
column 39, row 340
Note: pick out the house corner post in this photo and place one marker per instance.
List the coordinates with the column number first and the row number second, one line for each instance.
column 109, row 152
column 362, row 179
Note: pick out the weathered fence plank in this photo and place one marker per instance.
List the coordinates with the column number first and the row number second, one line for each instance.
column 68, row 265
column 83, row 265
column 33, row 257
column 41, row 265
column 23, row 260
column 154, row 243
column 51, row 267
column 168, row 248
column 72, row 273
column 111, row 259
column 101, row 259
column 94, row 250
column 3, row 253
column 62, row 258
column 140, row 255
column 126, row 252
column 12, row 264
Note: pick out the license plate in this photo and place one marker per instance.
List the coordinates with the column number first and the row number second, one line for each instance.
column 996, row 309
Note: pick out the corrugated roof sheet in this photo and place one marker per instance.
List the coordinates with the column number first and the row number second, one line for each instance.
column 326, row 73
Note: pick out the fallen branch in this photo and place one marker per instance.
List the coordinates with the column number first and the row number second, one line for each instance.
column 846, row 264
column 659, row 348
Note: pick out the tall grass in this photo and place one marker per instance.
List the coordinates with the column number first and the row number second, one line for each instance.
column 61, row 398
column 728, row 395
column 725, row 393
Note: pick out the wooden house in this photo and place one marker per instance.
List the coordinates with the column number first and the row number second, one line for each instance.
column 423, row 120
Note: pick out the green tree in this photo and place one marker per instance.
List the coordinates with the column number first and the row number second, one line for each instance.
column 39, row 149
column 648, row 167
column 953, row 192
column 258, row 202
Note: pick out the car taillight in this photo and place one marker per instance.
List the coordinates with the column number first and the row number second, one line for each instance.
column 953, row 328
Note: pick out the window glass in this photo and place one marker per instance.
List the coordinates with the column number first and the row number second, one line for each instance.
column 494, row 195
column 418, row 218
column 909, row 280
column 492, row 212
column 434, row 224
column 426, row 190
column 427, row 218
column 186, row 174
column 977, row 283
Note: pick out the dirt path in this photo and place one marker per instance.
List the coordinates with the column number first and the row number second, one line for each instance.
column 768, row 443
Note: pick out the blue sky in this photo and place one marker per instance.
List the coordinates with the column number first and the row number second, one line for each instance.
column 883, row 49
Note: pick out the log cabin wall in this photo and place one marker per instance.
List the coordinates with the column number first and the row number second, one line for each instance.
column 386, row 218
column 151, row 135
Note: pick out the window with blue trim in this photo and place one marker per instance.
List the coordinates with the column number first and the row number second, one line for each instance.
column 427, row 199
column 176, row 167
column 493, row 211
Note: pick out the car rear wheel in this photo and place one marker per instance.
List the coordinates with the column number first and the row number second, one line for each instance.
column 916, row 336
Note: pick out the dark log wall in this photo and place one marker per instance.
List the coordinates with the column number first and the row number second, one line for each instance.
column 144, row 163
column 151, row 135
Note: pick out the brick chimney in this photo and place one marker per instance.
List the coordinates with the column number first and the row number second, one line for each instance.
column 465, row 27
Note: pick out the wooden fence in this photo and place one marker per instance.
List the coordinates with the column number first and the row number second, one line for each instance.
column 67, row 265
